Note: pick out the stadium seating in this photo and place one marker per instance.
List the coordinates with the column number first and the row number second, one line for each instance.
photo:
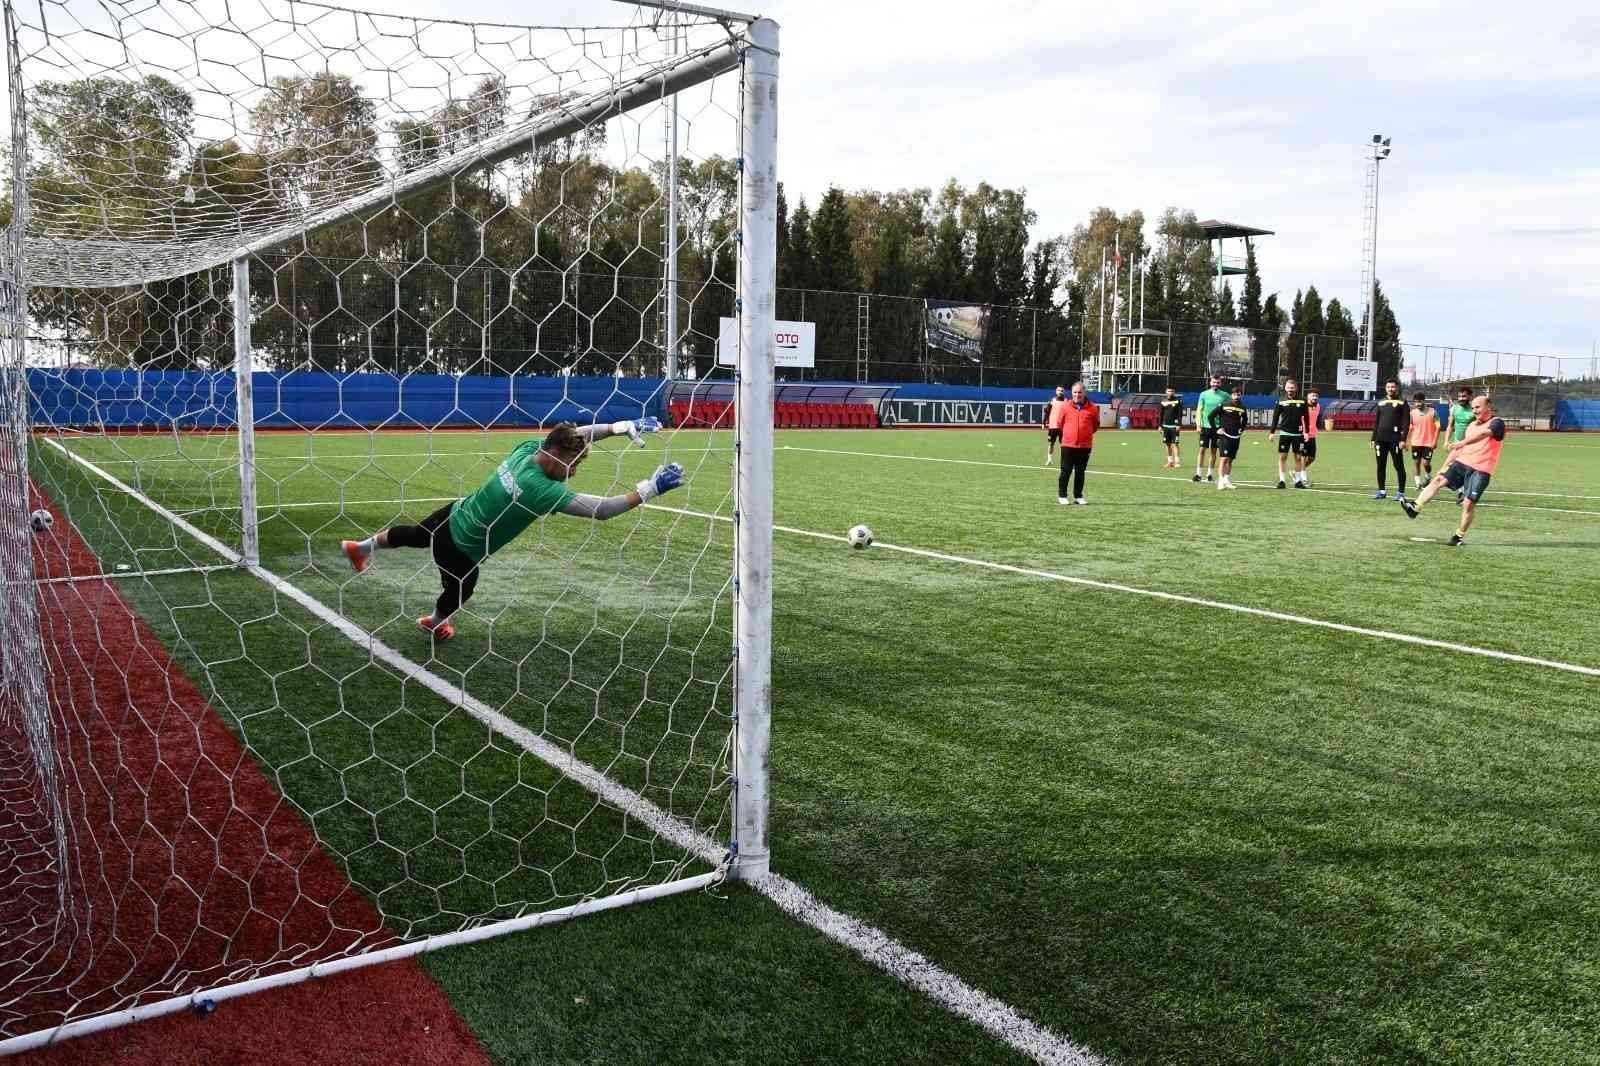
column 701, row 414
column 718, row 414
column 1350, row 414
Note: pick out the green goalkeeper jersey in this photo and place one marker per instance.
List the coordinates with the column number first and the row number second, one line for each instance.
column 1461, row 419
column 516, row 493
column 1209, row 401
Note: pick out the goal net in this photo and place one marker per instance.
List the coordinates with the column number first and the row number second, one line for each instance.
column 281, row 274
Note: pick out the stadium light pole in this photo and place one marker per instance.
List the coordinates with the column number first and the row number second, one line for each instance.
column 1380, row 152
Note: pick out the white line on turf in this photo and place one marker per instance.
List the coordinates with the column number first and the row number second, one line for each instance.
column 909, row 967
column 1175, row 597
column 1162, row 477
column 68, row 579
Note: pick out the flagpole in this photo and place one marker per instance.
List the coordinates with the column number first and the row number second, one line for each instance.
column 1101, row 339
column 1116, row 289
column 1144, row 269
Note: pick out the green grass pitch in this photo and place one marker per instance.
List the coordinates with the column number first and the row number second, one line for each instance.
column 1167, row 831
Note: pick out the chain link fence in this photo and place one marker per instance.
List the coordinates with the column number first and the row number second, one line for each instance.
column 503, row 319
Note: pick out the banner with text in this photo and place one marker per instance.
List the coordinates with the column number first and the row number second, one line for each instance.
column 1358, row 375
column 962, row 413
column 794, row 342
column 1229, row 353
column 956, row 328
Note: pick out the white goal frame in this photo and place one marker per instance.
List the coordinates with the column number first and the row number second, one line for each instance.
column 753, row 51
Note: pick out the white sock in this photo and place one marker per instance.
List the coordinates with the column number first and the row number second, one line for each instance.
column 368, row 546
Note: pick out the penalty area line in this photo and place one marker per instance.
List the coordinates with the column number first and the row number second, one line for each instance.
column 900, row 962
column 1178, row 597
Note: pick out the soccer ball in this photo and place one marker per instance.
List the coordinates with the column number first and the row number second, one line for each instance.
column 42, row 520
column 859, row 537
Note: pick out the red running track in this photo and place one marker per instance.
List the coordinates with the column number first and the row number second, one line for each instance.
column 187, row 870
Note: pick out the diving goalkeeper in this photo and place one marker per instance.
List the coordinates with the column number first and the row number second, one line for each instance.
column 530, row 484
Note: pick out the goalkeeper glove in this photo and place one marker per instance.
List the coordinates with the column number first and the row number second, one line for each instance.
column 636, row 429
column 666, row 478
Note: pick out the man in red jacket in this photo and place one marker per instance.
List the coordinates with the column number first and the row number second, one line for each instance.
column 1079, row 419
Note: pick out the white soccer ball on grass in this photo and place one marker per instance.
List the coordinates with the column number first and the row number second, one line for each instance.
column 42, row 520
column 859, row 537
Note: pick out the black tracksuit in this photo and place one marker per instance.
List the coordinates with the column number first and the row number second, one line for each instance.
column 1389, row 432
column 1229, row 421
column 1289, row 420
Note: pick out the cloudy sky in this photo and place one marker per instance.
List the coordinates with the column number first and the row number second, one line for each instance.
column 1489, row 227
column 1249, row 110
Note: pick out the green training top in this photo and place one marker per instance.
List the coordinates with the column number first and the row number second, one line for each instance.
column 1460, row 419
column 515, row 494
column 1210, row 400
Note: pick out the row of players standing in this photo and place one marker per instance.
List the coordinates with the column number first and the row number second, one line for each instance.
column 1222, row 419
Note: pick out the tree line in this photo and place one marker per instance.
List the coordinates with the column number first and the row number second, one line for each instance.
column 561, row 252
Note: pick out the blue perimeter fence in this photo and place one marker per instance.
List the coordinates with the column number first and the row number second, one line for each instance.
column 185, row 399
column 1577, row 416
column 190, row 399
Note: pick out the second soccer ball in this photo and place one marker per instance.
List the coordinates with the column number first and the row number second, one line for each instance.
column 859, row 537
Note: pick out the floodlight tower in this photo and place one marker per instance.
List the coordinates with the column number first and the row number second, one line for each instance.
column 1379, row 151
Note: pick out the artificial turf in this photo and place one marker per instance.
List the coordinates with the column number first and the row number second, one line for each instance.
column 1167, row 831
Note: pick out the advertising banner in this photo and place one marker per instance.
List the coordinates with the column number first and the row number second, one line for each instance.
column 1358, row 375
column 795, row 343
column 956, row 328
column 962, row 413
column 1229, row 352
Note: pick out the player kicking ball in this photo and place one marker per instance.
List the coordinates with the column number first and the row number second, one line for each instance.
column 1289, row 424
column 531, row 483
column 1473, row 459
column 1228, row 424
column 1171, row 427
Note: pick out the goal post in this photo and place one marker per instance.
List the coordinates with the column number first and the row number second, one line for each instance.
column 268, row 287
column 244, row 416
column 758, row 265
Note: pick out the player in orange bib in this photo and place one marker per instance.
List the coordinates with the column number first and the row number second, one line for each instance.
column 1473, row 459
column 1054, row 412
column 1422, row 437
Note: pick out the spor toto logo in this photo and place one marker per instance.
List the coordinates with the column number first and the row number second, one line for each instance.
column 787, row 340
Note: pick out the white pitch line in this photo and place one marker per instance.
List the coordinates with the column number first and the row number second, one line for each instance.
column 904, row 964
column 1177, row 597
column 1174, row 480
column 227, row 461
column 121, row 575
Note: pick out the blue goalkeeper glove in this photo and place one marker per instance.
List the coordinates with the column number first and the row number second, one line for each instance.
column 666, row 478
column 637, row 428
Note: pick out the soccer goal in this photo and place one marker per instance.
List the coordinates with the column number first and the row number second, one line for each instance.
column 280, row 274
